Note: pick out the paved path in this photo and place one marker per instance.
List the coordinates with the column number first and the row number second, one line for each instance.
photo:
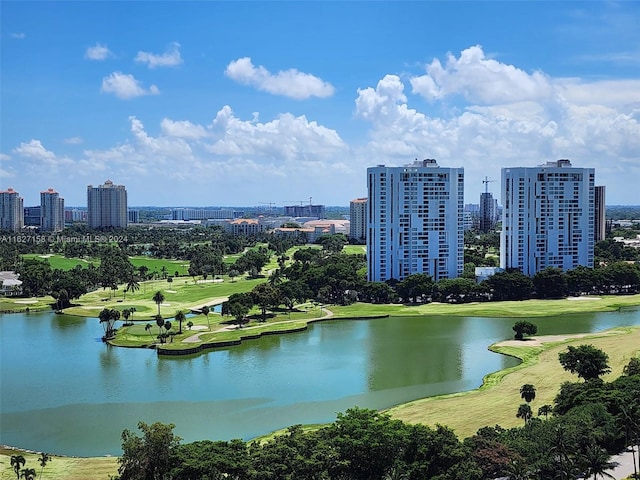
column 626, row 465
column 196, row 337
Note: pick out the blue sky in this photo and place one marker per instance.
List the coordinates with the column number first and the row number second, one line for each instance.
column 248, row 103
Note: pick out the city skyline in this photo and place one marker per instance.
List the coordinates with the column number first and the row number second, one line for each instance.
column 244, row 104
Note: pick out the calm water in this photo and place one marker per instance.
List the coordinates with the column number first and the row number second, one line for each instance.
column 64, row 391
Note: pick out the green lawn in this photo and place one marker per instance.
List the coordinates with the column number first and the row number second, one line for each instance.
column 180, row 294
column 524, row 308
column 156, row 264
column 60, row 468
column 10, row 304
column 60, row 262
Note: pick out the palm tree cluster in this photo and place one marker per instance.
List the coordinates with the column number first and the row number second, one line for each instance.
column 18, row 463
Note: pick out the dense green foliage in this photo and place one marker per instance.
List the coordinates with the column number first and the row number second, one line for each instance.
column 522, row 328
column 586, row 361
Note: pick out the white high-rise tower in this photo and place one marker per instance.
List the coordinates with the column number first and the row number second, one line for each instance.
column 415, row 221
column 548, row 217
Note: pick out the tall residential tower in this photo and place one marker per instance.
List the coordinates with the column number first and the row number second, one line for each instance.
column 414, row 221
column 107, row 205
column 358, row 219
column 11, row 210
column 548, row 217
column 51, row 211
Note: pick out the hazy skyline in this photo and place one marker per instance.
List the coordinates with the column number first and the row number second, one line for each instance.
column 248, row 103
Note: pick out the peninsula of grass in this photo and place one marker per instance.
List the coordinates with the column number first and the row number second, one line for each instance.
column 496, row 401
column 25, row 304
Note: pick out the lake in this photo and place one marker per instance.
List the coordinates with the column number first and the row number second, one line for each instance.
column 64, row 391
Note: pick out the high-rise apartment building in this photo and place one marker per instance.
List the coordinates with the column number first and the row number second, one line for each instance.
column 51, row 211
column 107, row 205
column 600, row 227
column 487, row 216
column 358, row 219
column 548, row 217
column 11, row 210
column 414, row 221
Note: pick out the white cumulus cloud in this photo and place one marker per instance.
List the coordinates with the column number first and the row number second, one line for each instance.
column 286, row 138
column 289, row 83
column 480, row 80
column 97, row 52
column 34, row 149
column 170, row 58
column 182, row 129
column 126, row 86
column 73, row 141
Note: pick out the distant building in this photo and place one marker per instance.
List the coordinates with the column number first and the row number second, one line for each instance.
column 32, row 216
column 414, row 221
column 10, row 285
column 203, row 214
column 548, row 217
column 600, row 218
column 133, row 216
column 51, row 211
column 487, row 215
column 316, row 211
column 244, row 226
column 358, row 219
column 107, row 206
column 483, row 273
column 75, row 215
column 11, row 210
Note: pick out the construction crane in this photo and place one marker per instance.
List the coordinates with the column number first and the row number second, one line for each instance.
column 486, row 182
column 271, row 204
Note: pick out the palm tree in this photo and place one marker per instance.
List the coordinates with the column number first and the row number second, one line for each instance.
column 17, row 461
column 43, row 459
column 158, row 297
column 126, row 313
column 180, row 318
column 159, row 323
column 205, row 311
column 132, row 285
column 524, row 412
column 527, row 392
column 147, row 328
column 596, row 460
column 545, row 410
column 28, row 473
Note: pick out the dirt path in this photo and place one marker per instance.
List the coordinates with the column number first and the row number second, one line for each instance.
column 541, row 340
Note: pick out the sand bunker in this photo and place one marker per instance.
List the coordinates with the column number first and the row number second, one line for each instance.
column 584, row 298
column 25, row 301
column 541, row 340
column 170, row 291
